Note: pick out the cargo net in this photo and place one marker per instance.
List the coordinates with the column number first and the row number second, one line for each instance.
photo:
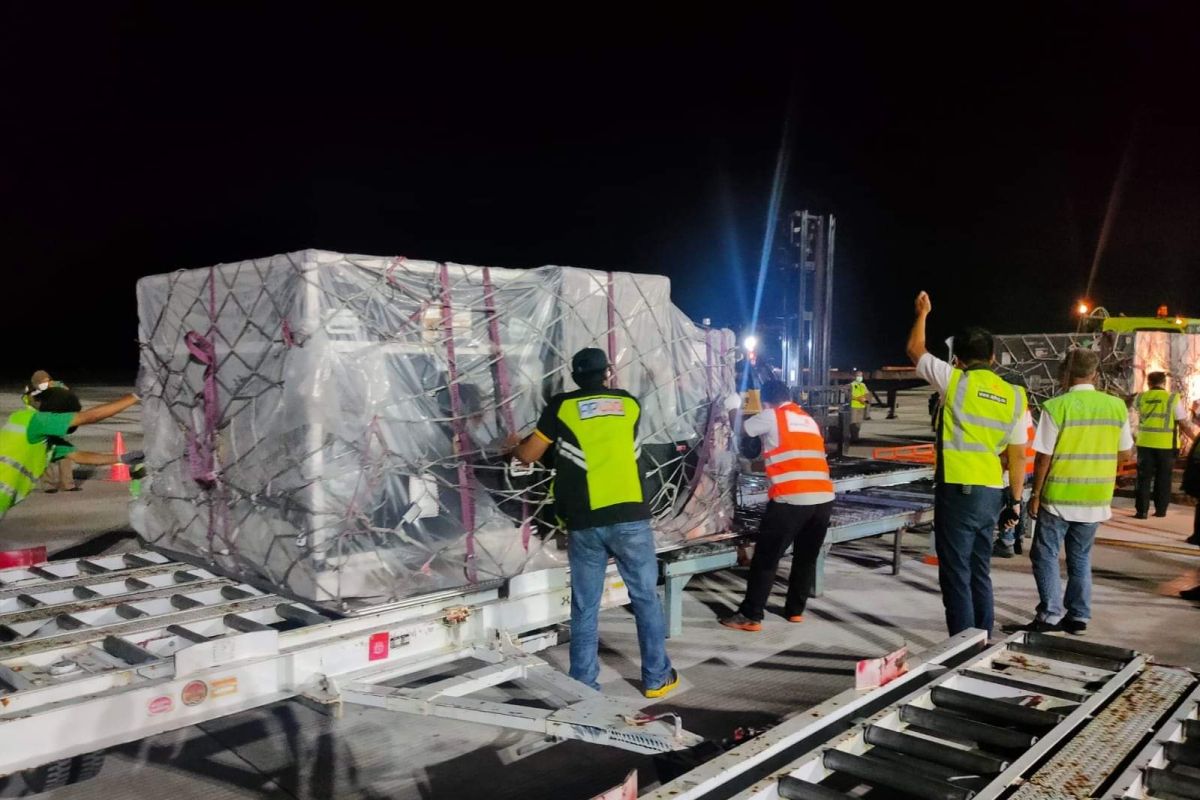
column 336, row 426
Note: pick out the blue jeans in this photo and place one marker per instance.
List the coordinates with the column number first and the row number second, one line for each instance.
column 631, row 544
column 963, row 527
column 1051, row 531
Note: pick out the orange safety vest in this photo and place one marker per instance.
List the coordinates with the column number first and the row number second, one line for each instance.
column 1030, row 453
column 798, row 465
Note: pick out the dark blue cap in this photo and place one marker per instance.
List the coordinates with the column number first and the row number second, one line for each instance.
column 589, row 360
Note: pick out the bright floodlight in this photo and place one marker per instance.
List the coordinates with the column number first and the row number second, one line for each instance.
column 1082, row 308
column 751, row 342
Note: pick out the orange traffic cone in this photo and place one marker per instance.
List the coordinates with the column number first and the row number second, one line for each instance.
column 119, row 472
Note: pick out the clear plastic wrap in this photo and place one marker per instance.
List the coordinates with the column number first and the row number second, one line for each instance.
column 332, row 425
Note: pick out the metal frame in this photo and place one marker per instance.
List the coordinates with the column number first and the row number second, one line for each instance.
column 110, row 650
column 812, row 237
column 1154, row 755
column 1093, row 702
column 574, row 711
column 733, row 766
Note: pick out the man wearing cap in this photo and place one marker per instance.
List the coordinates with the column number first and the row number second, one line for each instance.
column 35, row 436
column 40, row 382
column 599, row 498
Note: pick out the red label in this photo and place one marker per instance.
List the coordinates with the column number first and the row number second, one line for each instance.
column 28, row 557
column 194, row 693
column 377, row 646
column 160, row 705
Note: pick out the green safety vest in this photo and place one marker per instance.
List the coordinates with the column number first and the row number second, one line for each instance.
column 980, row 411
column 1083, row 468
column 21, row 463
column 858, row 395
column 604, row 426
column 1156, row 419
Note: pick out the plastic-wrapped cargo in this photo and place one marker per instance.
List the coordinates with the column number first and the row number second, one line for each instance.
column 333, row 425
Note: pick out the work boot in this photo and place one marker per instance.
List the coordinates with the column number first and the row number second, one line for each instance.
column 1074, row 626
column 795, row 618
column 1191, row 594
column 1140, row 515
column 1193, row 539
column 1160, row 513
column 1002, row 550
column 1041, row 626
column 741, row 623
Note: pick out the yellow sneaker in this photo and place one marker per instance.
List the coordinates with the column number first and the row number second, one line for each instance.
column 666, row 688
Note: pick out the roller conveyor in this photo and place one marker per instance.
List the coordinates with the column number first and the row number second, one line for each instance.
column 956, row 727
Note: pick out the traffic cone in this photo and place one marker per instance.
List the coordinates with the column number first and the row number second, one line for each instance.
column 119, row 472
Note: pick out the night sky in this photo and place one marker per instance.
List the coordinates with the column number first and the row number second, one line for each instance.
column 973, row 156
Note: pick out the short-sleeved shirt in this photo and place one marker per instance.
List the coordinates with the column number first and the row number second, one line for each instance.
column 52, row 428
column 572, row 498
column 937, row 373
column 1044, row 442
column 765, row 425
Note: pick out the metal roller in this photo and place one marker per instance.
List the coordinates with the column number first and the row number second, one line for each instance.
column 1185, row 753
column 795, row 789
column 927, row 768
column 1069, row 656
column 1074, row 645
column 893, row 776
column 961, row 728
column 1049, row 651
column 1012, row 713
column 1160, row 781
column 915, row 746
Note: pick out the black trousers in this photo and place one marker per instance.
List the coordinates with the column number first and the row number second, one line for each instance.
column 1154, row 467
column 800, row 527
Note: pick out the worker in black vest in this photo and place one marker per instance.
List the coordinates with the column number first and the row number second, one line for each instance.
column 599, row 497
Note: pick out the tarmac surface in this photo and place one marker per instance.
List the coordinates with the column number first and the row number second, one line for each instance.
column 730, row 678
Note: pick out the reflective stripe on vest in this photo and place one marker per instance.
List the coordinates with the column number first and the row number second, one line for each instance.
column 798, row 465
column 604, row 426
column 981, row 411
column 21, row 463
column 1083, row 467
column 1156, row 419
